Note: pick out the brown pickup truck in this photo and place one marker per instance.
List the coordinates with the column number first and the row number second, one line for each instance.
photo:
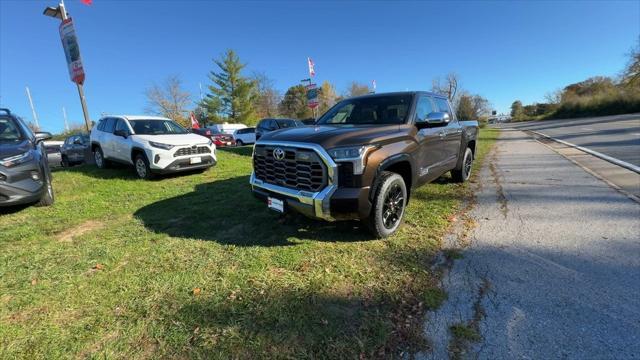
column 363, row 157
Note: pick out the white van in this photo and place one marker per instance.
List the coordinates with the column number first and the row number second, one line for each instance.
column 226, row 128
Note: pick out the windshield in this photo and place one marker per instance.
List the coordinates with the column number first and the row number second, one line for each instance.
column 9, row 131
column 156, row 127
column 378, row 110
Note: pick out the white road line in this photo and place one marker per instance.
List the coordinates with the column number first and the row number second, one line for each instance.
column 608, row 158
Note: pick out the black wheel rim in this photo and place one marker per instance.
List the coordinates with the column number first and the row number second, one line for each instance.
column 392, row 207
column 467, row 165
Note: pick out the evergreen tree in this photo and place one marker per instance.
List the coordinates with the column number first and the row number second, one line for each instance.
column 517, row 110
column 231, row 96
column 294, row 103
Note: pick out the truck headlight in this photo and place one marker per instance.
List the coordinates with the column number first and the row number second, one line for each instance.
column 17, row 159
column 357, row 155
column 160, row 145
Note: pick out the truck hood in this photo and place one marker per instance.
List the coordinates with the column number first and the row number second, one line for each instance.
column 329, row 136
column 176, row 139
column 9, row 149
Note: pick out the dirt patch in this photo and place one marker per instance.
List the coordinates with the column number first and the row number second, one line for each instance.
column 502, row 199
column 87, row 226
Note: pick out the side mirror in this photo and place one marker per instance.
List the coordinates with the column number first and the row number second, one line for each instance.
column 77, row 142
column 438, row 118
column 122, row 133
column 42, row 136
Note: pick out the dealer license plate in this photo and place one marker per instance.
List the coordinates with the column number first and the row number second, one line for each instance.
column 275, row 204
column 195, row 160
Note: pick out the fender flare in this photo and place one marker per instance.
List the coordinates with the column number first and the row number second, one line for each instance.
column 386, row 163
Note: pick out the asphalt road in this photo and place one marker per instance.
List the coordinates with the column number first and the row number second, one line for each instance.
column 552, row 270
column 616, row 136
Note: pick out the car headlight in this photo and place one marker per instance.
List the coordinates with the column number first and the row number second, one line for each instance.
column 160, row 145
column 357, row 155
column 17, row 159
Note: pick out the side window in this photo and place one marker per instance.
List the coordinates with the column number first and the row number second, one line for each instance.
column 251, row 131
column 271, row 125
column 101, row 124
column 423, row 108
column 121, row 125
column 443, row 106
column 109, row 125
column 261, row 124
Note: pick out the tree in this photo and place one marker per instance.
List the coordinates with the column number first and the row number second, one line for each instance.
column 294, row 103
column 266, row 95
column 472, row 107
column 448, row 87
column 631, row 74
column 357, row 89
column 169, row 100
column 327, row 96
column 517, row 110
column 232, row 95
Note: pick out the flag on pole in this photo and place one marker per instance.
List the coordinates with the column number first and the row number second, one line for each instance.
column 312, row 72
column 373, row 83
column 86, row 2
column 194, row 122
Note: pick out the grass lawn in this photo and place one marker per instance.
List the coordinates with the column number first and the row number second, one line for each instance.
column 194, row 266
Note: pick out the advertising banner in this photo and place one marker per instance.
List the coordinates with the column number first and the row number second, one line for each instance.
column 72, row 51
column 312, row 96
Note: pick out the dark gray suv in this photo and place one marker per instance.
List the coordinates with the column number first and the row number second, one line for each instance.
column 24, row 171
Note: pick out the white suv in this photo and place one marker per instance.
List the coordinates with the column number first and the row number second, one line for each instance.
column 152, row 144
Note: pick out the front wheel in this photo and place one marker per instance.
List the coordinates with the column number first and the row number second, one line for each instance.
column 239, row 143
column 98, row 157
column 388, row 205
column 142, row 167
column 47, row 198
column 463, row 174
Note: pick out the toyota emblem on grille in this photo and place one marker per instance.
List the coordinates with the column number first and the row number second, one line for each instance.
column 278, row 154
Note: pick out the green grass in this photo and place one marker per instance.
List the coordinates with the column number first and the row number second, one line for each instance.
column 194, row 266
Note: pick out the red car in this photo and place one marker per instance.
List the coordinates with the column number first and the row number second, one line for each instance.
column 219, row 139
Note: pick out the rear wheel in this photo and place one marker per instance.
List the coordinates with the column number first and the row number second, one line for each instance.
column 388, row 205
column 463, row 174
column 142, row 167
column 98, row 157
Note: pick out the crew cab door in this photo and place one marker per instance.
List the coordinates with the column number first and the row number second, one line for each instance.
column 431, row 153
column 452, row 134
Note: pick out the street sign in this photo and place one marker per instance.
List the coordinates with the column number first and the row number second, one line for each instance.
column 72, row 51
column 312, row 96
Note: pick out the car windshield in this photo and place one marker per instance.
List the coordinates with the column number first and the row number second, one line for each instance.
column 9, row 131
column 156, row 127
column 377, row 110
column 288, row 123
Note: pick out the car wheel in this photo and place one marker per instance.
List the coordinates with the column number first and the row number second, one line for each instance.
column 65, row 162
column 388, row 205
column 98, row 157
column 239, row 143
column 47, row 198
column 463, row 174
column 142, row 167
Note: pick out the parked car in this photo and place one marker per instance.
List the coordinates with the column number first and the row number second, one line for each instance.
column 54, row 157
column 25, row 176
column 268, row 125
column 226, row 128
column 363, row 158
column 153, row 145
column 245, row 136
column 218, row 138
column 73, row 150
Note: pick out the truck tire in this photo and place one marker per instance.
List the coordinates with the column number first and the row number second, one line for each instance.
column 47, row 198
column 388, row 207
column 462, row 174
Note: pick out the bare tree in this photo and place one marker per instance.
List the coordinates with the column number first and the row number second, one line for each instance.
column 267, row 97
column 169, row 100
column 448, row 87
column 357, row 89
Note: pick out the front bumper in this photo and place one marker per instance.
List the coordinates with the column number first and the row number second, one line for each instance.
column 185, row 165
column 331, row 203
column 166, row 161
column 18, row 187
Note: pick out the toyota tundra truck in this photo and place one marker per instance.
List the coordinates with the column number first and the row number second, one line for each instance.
column 363, row 157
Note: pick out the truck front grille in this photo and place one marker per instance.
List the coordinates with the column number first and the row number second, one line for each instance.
column 193, row 150
column 300, row 169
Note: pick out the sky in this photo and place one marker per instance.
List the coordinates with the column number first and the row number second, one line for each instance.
column 501, row 50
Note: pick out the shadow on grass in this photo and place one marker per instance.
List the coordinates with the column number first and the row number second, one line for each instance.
column 246, row 150
column 120, row 171
column 225, row 211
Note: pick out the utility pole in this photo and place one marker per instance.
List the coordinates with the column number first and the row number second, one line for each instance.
column 66, row 124
column 33, row 109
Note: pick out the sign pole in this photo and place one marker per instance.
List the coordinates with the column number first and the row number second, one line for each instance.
column 83, row 101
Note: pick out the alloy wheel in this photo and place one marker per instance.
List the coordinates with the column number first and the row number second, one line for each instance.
column 393, row 207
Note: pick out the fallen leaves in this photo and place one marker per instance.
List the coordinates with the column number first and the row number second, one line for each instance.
column 196, row 291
